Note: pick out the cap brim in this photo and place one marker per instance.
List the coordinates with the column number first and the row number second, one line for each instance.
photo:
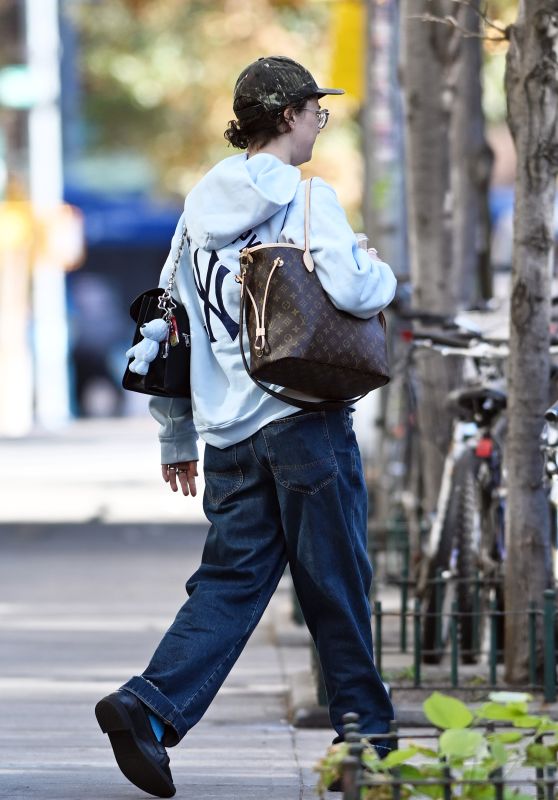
column 322, row 92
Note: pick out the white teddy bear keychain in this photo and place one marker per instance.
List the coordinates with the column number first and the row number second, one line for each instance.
column 143, row 353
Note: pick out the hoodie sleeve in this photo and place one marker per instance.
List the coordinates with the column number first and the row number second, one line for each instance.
column 353, row 281
column 177, row 433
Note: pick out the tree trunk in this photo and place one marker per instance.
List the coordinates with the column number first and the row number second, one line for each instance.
column 384, row 153
column 449, row 165
column 532, row 95
column 471, row 159
column 428, row 51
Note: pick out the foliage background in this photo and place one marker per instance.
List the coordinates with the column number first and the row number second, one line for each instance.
column 157, row 81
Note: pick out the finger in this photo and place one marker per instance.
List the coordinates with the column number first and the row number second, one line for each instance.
column 192, row 481
column 172, row 479
column 165, row 472
column 183, row 478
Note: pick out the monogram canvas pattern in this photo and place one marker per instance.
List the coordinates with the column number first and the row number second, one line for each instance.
column 311, row 346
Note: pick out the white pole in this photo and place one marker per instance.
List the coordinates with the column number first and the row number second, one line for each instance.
column 46, row 189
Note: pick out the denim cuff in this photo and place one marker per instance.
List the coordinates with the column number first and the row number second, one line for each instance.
column 149, row 694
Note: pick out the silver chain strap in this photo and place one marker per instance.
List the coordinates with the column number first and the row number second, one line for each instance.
column 166, row 302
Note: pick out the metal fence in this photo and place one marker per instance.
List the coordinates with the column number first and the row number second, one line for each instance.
column 409, row 621
column 539, row 782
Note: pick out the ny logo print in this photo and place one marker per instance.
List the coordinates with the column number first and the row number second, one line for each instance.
column 203, row 290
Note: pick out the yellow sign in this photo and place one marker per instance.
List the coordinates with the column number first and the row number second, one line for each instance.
column 16, row 226
column 55, row 236
column 349, row 37
column 61, row 237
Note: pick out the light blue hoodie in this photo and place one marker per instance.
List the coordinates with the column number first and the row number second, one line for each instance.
column 239, row 203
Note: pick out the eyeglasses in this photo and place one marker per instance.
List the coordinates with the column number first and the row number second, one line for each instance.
column 322, row 114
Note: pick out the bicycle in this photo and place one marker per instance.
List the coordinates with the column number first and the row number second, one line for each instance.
column 464, row 537
column 465, row 547
column 459, row 552
column 549, row 447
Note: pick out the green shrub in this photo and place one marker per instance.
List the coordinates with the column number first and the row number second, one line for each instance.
column 466, row 750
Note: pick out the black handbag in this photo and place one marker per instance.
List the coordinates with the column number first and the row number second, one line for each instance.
column 298, row 338
column 169, row 372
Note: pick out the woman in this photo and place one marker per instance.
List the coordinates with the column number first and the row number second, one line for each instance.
column 282, row 486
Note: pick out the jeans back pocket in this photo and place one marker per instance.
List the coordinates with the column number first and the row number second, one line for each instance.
column 300, row 452
column 222, row 473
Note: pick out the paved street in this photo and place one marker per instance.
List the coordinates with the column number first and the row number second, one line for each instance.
column 83, row 602
column 82, row 608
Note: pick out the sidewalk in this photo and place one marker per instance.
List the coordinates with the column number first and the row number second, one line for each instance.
column 87, row 589
column 82, row 609
column 94, row 470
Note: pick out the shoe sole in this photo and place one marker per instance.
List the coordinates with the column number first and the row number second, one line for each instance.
column 114, row 720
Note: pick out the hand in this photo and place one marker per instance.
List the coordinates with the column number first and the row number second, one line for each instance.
column 186, row 471
column 373, row 253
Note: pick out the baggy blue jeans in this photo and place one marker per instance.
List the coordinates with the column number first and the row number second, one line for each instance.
column 292, row 493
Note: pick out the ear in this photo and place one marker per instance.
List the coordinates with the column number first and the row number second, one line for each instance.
column 289, row 116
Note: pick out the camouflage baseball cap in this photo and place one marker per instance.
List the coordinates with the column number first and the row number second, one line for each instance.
column 272, row 83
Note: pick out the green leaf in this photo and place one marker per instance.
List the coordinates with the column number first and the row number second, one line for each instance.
column 397, row 757
column 371, row 760
column 459, row 743
column 539, row 755
column 546, row 724
column 497, row 711
column 527, row 721
column 506, row 737
column 499, row 752
column 510, row 697
column 515, row 794
column 426, row 751
column 475, row 773
column 476, row 791
column 446, row 712
column 409, row 773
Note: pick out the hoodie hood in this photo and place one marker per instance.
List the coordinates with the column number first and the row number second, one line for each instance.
column 239, row 193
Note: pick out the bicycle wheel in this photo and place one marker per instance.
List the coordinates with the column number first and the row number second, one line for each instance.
column 467, row 533
column 457, row 554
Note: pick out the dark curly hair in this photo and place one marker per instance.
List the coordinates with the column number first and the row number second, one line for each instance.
column 261, row 129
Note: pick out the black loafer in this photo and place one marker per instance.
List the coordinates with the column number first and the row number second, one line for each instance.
column 139, row 754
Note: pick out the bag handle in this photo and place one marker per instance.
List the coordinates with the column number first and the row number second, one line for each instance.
column 166, row 302
column 307, row 255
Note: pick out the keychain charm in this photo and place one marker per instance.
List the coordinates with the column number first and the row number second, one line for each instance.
column 173, row 330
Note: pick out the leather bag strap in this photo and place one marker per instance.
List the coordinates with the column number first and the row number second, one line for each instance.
column 307, row 255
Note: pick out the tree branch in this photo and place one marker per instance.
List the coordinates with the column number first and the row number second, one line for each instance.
column 450, row 20
column 483, row 15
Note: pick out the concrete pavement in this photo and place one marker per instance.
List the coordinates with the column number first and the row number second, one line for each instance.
column 93, row 470
column 82, row 607
column 92, row 571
